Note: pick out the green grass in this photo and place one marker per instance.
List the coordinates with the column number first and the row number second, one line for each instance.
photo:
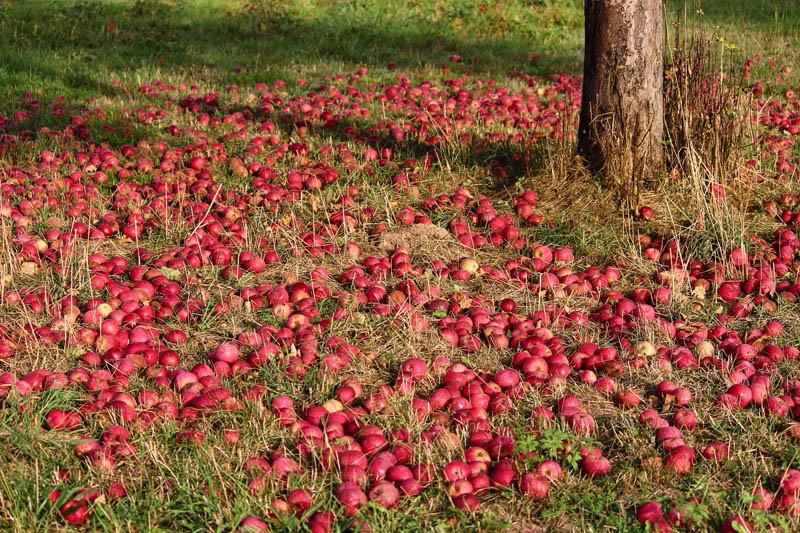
column 746, row 29
column 79, row 49
column 83, row 49
column 93, row 53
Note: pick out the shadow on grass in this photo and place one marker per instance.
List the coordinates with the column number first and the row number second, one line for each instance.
column 76, row 48
column 85, row 50
column 773, row 17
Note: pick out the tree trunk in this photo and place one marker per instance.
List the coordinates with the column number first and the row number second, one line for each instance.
column 622, row 112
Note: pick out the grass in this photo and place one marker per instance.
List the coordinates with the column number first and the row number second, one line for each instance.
column 96, row 54
column 83, row 49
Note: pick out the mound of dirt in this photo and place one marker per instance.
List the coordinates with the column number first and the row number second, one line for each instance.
column 423, row 240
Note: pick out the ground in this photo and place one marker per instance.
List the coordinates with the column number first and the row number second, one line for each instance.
column 318, row 265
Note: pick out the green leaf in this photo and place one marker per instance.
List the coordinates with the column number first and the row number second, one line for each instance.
column 171, row 273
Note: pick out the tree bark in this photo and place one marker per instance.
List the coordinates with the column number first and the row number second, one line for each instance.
column 622, row 102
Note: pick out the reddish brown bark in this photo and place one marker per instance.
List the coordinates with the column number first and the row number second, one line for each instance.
column 623, row 84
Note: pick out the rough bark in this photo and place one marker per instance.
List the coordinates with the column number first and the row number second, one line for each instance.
column 622, row 103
